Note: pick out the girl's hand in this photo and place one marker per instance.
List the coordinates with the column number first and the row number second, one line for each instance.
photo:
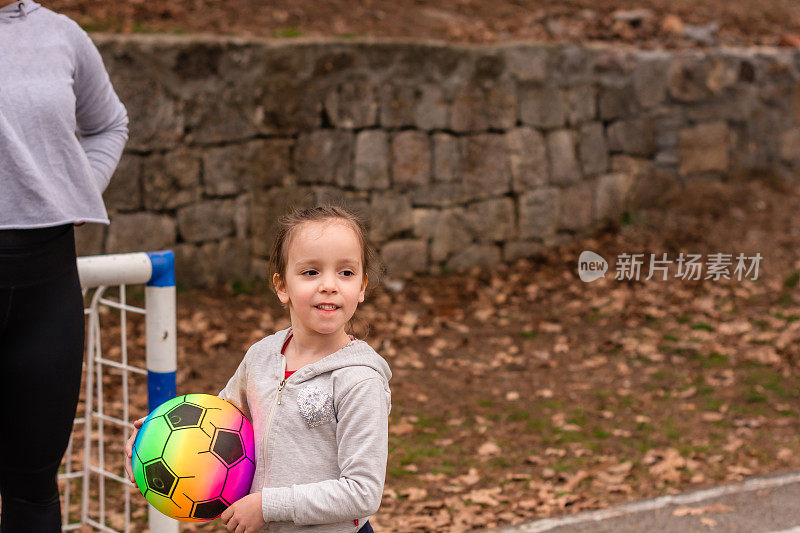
column 129, row 449
column 245, row 515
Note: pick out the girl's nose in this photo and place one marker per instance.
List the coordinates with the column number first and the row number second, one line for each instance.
column 327, row 283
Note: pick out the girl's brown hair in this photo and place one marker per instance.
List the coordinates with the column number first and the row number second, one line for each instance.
column 287, row 227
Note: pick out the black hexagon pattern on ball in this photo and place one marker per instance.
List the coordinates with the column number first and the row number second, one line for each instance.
column 159, row 478
column 210, row 509
column 185, row 415
column 228, row 447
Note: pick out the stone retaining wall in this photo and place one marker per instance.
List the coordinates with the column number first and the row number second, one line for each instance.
column 458, row 155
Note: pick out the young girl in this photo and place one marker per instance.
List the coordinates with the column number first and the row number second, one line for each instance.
column 318, row 398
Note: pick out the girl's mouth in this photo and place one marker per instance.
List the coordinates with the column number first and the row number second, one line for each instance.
column 326, row 307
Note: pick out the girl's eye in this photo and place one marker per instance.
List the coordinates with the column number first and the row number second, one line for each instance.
column 348, row 273
column 310, row 272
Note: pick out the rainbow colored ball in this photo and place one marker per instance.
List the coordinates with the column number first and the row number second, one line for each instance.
column 194, row 456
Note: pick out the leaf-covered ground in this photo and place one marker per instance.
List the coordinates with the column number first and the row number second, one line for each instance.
column 646, row 23
column 522, row 392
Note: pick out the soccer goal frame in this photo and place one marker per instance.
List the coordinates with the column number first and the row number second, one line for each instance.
column 156, row 271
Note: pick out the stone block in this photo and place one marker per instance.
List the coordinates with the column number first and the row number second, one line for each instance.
column 220, row 115
column 397, row 105
column 156, row 113
column 527, row 63
column 636, row 166
column 391, row 215
column 633, row 136
column 667, row 159
column 581, row 104
column 323, row 157
column 259, row 270
column 140, row 231
column 489, row 106
column 444, row 194
column 172, row 179
column 576, row 207
column 450, row 236
column 241, row 216
column 564, row 167
column 527, row 157
column 650, row 78
column 404, row 257
column 446, row 158
column 667, row 128
column 411, row 159
column 482, row 255
column 704, row 148
column 538, row 211
column 196, row 266
column 485, row 164
column 431, row 108
column 287, row 104
column 542, row 107
column 224, row 170
column 615, row 102
column 89, row 239
column 352, row 104
column 233, row 263
column 231, row 170
column 796, row 102
column 694, row 78
column 491, row 220
column 124, row 191
column 425, row 222
column 423, row 106
column 268, row 206
column 612, row 195
column 649, row 183
column 445, row 229
column 736, row 105
column 572, row 65
column 790, row 145
column 515, row 250
column 372, row 160
column 592, row 149
column 206, row 221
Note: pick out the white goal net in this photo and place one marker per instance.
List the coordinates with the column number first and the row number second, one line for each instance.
column 129, row 369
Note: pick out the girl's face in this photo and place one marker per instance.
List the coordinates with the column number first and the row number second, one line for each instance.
column 324, row 279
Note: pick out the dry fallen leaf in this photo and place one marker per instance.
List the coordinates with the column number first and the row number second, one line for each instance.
column 489, row 449
column 414, row 494
column 401, row 428
column 709, row 522
column 716, row 508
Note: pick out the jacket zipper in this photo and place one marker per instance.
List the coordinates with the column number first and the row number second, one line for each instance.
column 280, row 389
column 275, row 403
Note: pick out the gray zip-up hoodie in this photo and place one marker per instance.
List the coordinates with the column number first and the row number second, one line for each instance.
column 321, row 435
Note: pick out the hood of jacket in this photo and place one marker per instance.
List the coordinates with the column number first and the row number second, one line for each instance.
column 355, row 353
column 18, row 11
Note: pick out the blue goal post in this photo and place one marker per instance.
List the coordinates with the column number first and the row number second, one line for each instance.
column 94, row 456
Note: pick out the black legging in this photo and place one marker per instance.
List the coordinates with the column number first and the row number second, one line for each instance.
column 41, row 355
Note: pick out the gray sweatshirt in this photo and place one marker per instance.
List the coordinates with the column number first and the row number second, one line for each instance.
column 62, row 126
column 321, row 435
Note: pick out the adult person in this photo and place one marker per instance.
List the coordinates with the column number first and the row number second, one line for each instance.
column 62, row 131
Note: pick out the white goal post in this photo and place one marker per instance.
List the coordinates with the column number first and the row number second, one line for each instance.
column 102, row 426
